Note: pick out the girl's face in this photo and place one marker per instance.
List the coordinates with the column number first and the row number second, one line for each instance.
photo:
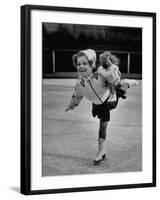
column 83, row 66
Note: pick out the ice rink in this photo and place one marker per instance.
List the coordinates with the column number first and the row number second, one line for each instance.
column 70, row 138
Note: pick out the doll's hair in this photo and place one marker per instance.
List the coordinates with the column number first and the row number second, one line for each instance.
column 89, row 54
column 103, row 57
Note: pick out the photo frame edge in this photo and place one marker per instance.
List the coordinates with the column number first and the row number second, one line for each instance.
column 25, row 182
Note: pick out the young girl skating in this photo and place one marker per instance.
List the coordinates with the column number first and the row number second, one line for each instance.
column 93, row 84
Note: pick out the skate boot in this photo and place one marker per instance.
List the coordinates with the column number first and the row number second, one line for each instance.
column 101, row 154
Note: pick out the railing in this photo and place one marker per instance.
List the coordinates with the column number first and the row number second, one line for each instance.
column 58, row 63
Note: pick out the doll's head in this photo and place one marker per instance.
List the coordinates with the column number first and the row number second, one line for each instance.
column 107, row 59
column 85, row 62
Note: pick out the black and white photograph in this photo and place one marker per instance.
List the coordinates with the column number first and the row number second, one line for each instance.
column 88, row 88
column 88, row 69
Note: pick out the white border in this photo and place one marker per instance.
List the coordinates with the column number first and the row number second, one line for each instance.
column 42, row 183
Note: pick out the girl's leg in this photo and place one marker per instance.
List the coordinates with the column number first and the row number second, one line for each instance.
column 101, row 142
column 103, row 128
column 123, row 86
column 127, row 83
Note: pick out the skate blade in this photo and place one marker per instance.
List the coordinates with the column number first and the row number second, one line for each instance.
column 97, row 162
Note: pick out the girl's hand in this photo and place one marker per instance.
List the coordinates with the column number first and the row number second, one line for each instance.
column 67, row 109
column 70, row 107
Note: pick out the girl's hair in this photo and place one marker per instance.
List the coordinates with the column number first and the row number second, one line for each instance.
column 103, row 57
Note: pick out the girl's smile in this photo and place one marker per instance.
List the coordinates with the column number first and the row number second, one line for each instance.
column 82, row 69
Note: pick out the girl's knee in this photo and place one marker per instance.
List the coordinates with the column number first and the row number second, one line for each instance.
column 103, row 123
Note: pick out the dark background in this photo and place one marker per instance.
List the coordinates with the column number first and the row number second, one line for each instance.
column 63, row 40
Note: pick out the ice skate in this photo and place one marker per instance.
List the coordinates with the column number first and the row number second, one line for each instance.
column 101, row 154
column 121, row 93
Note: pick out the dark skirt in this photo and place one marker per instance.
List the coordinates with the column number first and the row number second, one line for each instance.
column 102, row 111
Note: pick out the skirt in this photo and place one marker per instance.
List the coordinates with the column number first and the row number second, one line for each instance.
column 102, row 111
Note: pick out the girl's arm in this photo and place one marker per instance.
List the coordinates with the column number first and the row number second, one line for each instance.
column 76, row 98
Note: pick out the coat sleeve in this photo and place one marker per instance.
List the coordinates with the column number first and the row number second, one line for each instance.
column 76, row 97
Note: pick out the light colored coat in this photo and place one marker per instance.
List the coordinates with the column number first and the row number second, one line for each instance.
column 94, row 88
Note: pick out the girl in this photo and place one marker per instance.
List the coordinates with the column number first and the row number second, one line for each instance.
column 92, row 85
